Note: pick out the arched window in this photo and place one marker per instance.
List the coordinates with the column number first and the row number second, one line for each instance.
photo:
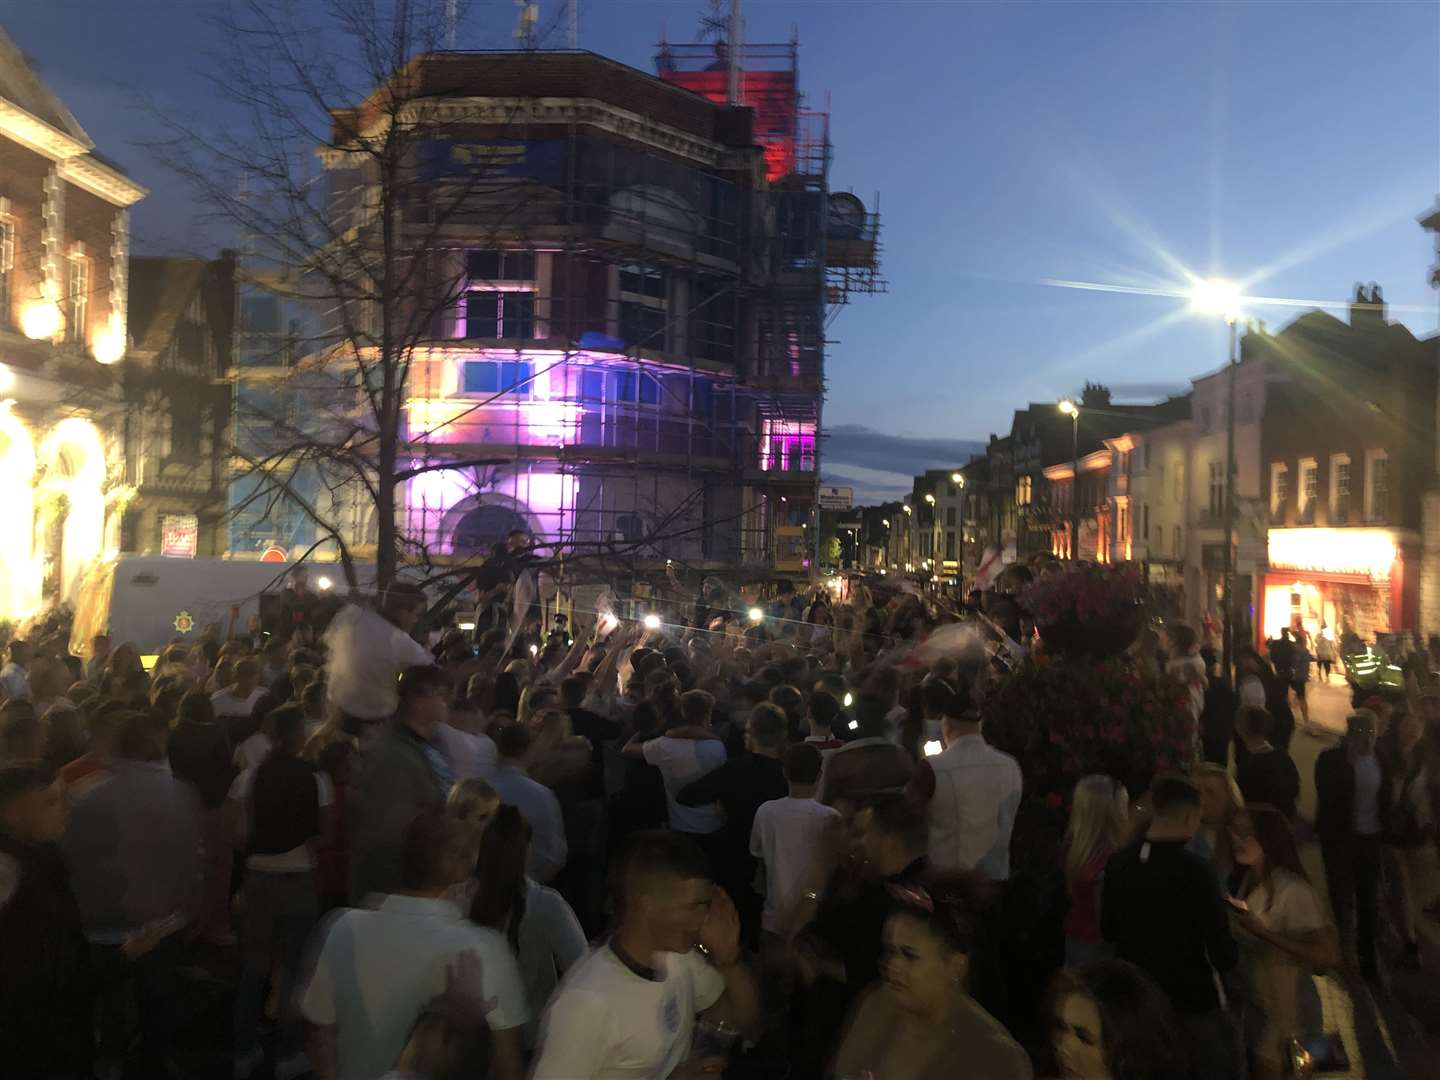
column 484, row 527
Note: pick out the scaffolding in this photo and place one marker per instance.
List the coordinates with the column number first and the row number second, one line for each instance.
column 634, row 357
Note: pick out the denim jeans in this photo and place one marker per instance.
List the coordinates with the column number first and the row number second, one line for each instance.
column 139, row 1007
column 280, row 911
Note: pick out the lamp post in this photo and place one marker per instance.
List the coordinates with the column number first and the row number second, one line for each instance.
column 1223, row 298
column 1070, row 409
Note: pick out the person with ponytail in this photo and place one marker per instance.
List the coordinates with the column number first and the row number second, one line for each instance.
column 538, row 923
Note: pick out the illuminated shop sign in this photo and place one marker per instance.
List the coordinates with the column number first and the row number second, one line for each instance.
column 1369, row 552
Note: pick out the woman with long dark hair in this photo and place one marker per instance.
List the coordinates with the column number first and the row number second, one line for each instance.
column 537, row 922
column 1109, row 1021
column 1286, row 939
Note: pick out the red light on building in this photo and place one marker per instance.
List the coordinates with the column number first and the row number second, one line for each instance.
column 771, row 95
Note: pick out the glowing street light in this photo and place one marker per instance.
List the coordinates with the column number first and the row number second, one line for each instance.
column 756, row 615
column 651, row 622
column 957, row 479
column 324, row 584
column 909, row 509
column 1068, row 407
column 930, row 498
column 1216, row 296
column 1072, row 410
column 885, row 522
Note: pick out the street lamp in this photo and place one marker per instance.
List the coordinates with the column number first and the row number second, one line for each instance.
column 930, row 498
column 1215, row 296
column 1070, row 409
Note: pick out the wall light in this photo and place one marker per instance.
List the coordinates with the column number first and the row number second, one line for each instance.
column 324, row 584
column 651, row 622
column 40, row 320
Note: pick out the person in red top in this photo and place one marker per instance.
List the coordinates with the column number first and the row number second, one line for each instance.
column 1095, row 831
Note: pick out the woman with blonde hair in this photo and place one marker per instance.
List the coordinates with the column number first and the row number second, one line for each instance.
column 472, row 804
column 1095, row 830
column 1220, row 803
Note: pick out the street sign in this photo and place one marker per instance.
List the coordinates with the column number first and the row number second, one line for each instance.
column 179, row 536
column 837, row 498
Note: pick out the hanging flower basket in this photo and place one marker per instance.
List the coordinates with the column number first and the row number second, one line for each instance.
column 1093, row 611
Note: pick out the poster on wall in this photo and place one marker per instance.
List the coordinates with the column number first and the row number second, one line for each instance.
column 179, row 536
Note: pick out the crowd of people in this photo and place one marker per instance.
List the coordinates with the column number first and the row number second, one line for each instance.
column 769, row 843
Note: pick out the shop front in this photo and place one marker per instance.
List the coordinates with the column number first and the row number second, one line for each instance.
column 1363, row 580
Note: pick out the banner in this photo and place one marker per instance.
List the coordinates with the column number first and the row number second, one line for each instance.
column 179, row 536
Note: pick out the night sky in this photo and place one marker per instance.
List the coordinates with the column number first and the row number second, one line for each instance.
column 1290, row 145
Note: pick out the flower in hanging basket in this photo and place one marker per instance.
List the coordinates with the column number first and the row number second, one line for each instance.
column 1090, row 610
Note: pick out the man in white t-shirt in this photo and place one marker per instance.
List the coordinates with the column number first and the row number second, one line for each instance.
column 369, row 650
column 629, row 1009
column 683, row 756
column 237, row 701
column 377, row 969
column 789, row 832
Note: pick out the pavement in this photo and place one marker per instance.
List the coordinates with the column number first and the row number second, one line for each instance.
column 1391, row 1027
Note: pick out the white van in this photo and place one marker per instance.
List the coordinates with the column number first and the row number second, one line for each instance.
column 150, row 600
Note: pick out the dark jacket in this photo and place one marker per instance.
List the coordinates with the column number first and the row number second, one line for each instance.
column 740, row 786
column 1270, row 777
column 284, row 805
column 45, row 976
column 1334, row 793
column 201, row 754
column 393, row 784
column 1162, row 909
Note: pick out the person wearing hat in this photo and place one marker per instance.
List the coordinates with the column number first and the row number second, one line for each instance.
column 46, row 988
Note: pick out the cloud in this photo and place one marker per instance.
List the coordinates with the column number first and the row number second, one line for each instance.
column 881, row 467
column 857, row 445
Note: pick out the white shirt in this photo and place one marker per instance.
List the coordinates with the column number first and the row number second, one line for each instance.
column 296, row 860
column 377, row 969
column 469, row 755
column 541, row 810
column 367, row 655
column 977, row 791
column 680, row 762
column 610, row 1023
column 227, row 704
column 786, row 836
column 253, row 751
column 1252, row 692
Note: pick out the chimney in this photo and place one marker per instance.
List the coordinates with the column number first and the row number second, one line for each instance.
column 1367, row 310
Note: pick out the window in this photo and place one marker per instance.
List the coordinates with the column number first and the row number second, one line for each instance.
column 1179, row 543
column 1339, row 489
column 1246, row 413
column 77, row 295
column 491, row 314
column 1122, row 523
column 1147, row 455
column 1377, row 487
column 1145, row 522
column 1024, row 490
column 634, row 387
column 1204, row 419
column 489, row 377
column 1279, row 490
column 950, row 515
column 1177, row 478
column 1309, row 487
column 488, row 267
column 7, row 264
column 1217, row 488
column 186, row 430
column 644, row 320
column 1125, row 462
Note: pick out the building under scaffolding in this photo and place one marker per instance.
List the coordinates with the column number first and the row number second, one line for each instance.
column 634, row 355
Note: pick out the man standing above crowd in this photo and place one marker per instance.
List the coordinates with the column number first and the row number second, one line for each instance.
column 630, row 1007
column 402, row 773
column 369, row 650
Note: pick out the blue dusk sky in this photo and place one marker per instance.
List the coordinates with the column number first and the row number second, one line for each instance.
column 1288, row 145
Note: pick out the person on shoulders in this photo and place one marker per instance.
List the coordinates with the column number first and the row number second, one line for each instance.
column 369, row 650
column 1162, row 910
column 631, row 1007
column 377, row 968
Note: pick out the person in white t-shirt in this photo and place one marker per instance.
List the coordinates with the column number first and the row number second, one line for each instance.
column 237, row 701
column 683, row 756
column 369, row 650
column 788, row 836
column 378, row 968
column 629, row 1009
